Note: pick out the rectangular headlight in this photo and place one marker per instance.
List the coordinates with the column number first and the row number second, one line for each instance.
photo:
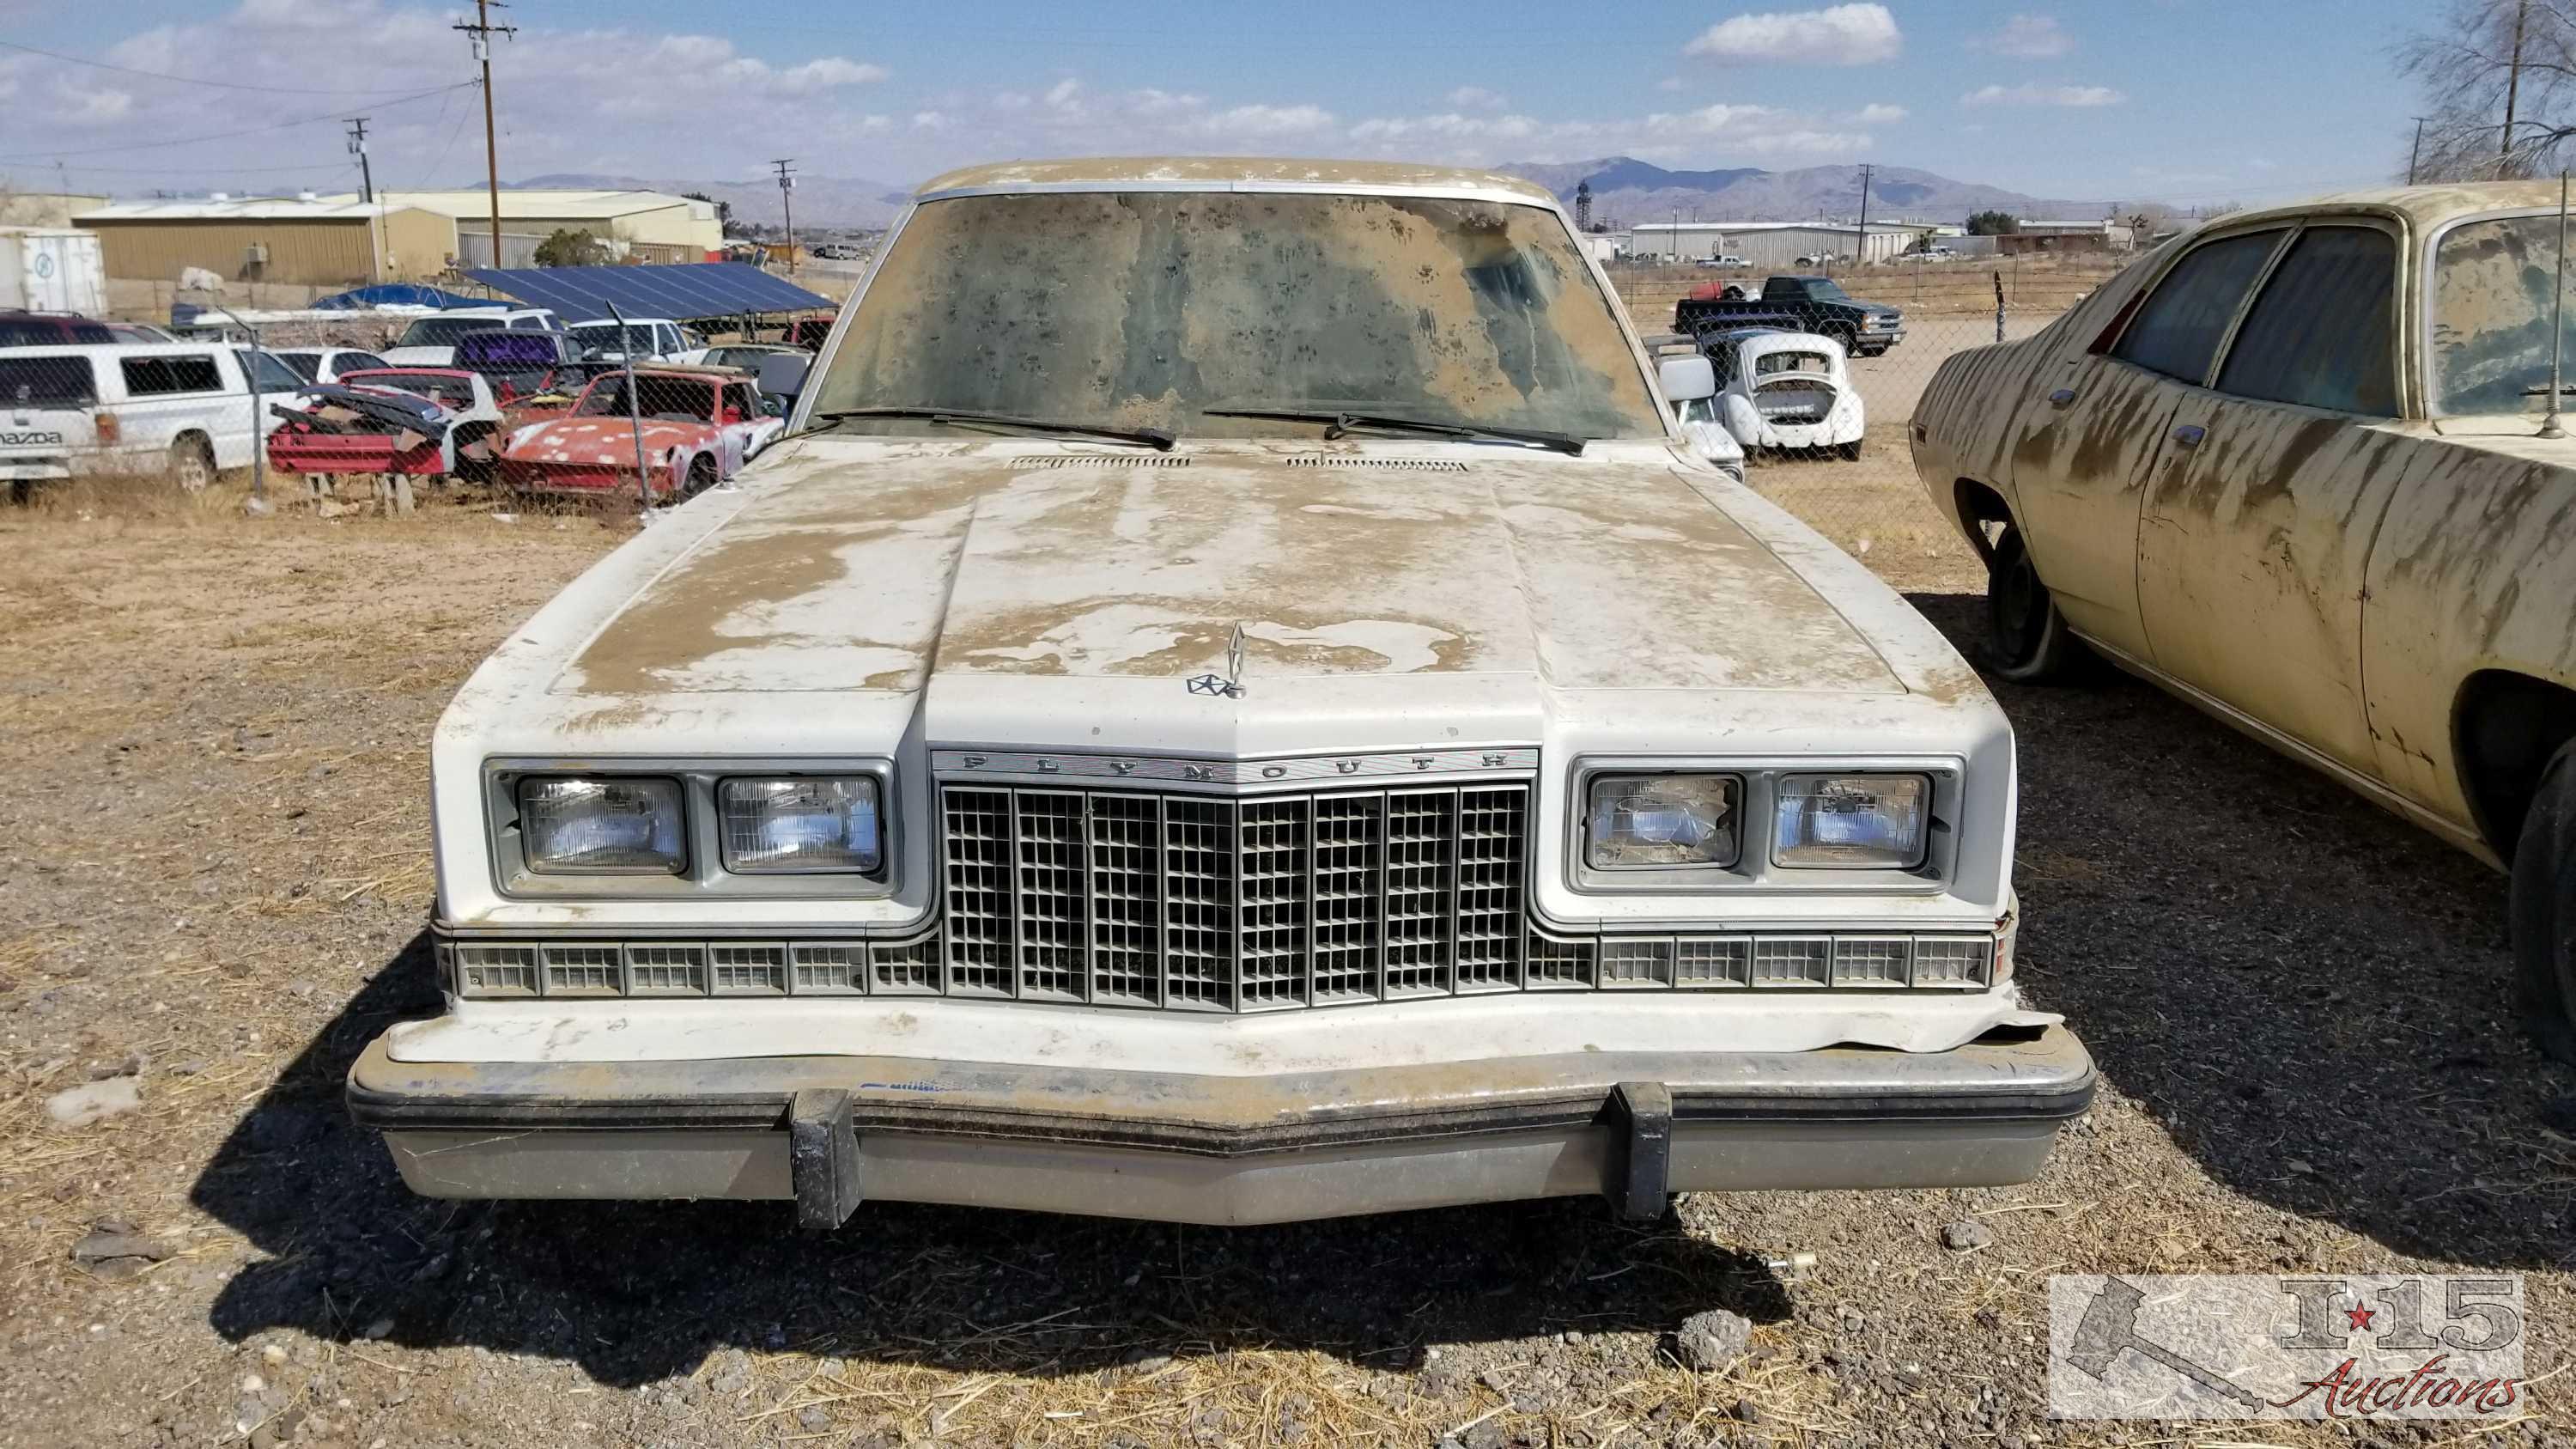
column 1852, row 821
column 587, row 825
column 801, row 823
column 1663, row 820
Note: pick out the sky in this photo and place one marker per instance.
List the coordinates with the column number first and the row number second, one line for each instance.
column 2116, row 100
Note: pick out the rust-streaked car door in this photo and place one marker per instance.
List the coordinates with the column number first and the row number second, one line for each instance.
column 2258, row 528
column 2090, row 443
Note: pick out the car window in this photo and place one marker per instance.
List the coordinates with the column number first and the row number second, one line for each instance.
column 48, row 381
column 274, row 376
column 360, row 361
column 307, row 365
column 2178, row 328
column 2318, row 334
column 150, row 376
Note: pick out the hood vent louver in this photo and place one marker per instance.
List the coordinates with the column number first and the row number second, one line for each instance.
column 1154, row 460
column 1418, row 465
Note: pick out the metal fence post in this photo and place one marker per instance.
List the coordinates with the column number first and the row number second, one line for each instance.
column 635, row 418
column 1999, row 306
column 259, row 506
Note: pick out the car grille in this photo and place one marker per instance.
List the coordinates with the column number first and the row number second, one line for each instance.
column 1226, row 904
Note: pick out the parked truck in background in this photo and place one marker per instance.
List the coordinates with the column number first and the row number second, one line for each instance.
column 1795, row 304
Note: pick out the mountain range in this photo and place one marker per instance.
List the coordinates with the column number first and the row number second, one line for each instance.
column 1625, row 189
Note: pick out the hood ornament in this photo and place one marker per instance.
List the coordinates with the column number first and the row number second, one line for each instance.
column 1231, row 685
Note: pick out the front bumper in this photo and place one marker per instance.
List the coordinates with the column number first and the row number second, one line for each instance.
column 827, row 1132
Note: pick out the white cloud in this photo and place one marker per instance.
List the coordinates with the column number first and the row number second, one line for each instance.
column 82, row 107
column 1669, row 83
column 1837, row 35
column 1150, row 102
column 2034, row 95
column 1061, row 95
column 2031, row 37
column 1475, row 98
column 826, row 72
column 1876, row 114
column 1259, row 121
column 929, row 121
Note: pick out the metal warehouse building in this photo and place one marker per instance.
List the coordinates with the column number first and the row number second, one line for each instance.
column 1768, row 245
column 643, row 226
column 325, row 243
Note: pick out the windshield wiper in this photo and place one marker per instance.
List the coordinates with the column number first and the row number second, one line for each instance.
column 1339, row 424
column 1155, row 438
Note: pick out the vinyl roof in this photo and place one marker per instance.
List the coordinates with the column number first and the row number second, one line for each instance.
column 682, row 292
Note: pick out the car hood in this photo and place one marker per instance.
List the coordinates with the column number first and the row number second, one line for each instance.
column 869, row 565
column 591, row 441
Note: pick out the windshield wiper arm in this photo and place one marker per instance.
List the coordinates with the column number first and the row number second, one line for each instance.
column 1338, row 424
column 1155, row 438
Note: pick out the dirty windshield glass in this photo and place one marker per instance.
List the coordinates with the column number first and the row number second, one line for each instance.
column 2489, row 327
column 1120, row 309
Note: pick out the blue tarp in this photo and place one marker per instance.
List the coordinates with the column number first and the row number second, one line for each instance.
column 397, row 294
column 682, row 293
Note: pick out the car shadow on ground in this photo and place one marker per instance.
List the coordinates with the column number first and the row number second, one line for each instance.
column 637, row 1292
column 2313, row 997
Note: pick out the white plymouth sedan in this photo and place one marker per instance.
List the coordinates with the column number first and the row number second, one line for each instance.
column 1233, row 703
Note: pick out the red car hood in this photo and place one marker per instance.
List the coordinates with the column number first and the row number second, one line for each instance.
column 610, row 441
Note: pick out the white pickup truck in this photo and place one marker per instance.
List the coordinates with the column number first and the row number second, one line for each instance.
column 182, row 409
column 1286, row 727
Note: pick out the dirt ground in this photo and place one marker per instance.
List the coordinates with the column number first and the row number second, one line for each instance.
column 214, row 892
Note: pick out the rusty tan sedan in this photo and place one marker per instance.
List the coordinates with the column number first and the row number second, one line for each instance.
column 2301, row 468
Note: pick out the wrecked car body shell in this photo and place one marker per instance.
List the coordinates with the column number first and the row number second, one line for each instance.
column 1259, row 614
column 2338, row 585
column 1788, row 391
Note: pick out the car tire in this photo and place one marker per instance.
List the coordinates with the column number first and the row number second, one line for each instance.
column 2543, row 911
column 702, row 476
column 1844, row 337
column 2027, row 640
column 1848, row 452
column 192, row 464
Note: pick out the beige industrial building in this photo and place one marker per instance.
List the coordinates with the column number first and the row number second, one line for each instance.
column 644, row 226
column 313, row 242
column 45, row 208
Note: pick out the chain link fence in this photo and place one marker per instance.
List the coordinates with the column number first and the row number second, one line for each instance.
column 1872, row 504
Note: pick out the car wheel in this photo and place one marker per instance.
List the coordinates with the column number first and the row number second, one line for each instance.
column 1844, row 337
column 2544, row 910
column 1850, row 452
column 2027, row 640
column 702, row 476
column 192, row 464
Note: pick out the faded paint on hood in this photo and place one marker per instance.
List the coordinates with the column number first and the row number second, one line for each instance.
column 861, row 567
column 611, row 441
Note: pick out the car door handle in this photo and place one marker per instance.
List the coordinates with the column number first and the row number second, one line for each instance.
column 2189, row 435
column 2062, row 396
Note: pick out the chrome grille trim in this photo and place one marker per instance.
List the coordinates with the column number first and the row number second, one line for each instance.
column 1331, row 973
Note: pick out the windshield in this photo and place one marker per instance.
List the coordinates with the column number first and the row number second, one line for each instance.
column 2489, row 327
column 597, row 337
column 274, row 376
column 443, row 331
column 664, row 399
column 1140, row 309
column 307, row 365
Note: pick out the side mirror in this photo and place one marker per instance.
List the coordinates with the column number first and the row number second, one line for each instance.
column 782, row 374
column 1686, row 378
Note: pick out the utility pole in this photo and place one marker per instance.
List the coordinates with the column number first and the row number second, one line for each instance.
column 482, row 29
column 2512, row 86
column 367, row 194
column 2415, row 152
column 1860, row 248
column 787, row 205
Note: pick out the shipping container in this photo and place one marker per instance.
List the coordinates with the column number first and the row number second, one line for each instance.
column 51, row 269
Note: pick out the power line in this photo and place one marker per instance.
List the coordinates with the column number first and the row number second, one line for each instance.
column 332, row 118
column 185, row 80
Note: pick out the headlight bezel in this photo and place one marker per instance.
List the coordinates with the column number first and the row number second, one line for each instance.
column 1755, row 868
column 706, row 874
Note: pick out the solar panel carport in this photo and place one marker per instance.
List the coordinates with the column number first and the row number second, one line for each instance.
column 682, row 293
